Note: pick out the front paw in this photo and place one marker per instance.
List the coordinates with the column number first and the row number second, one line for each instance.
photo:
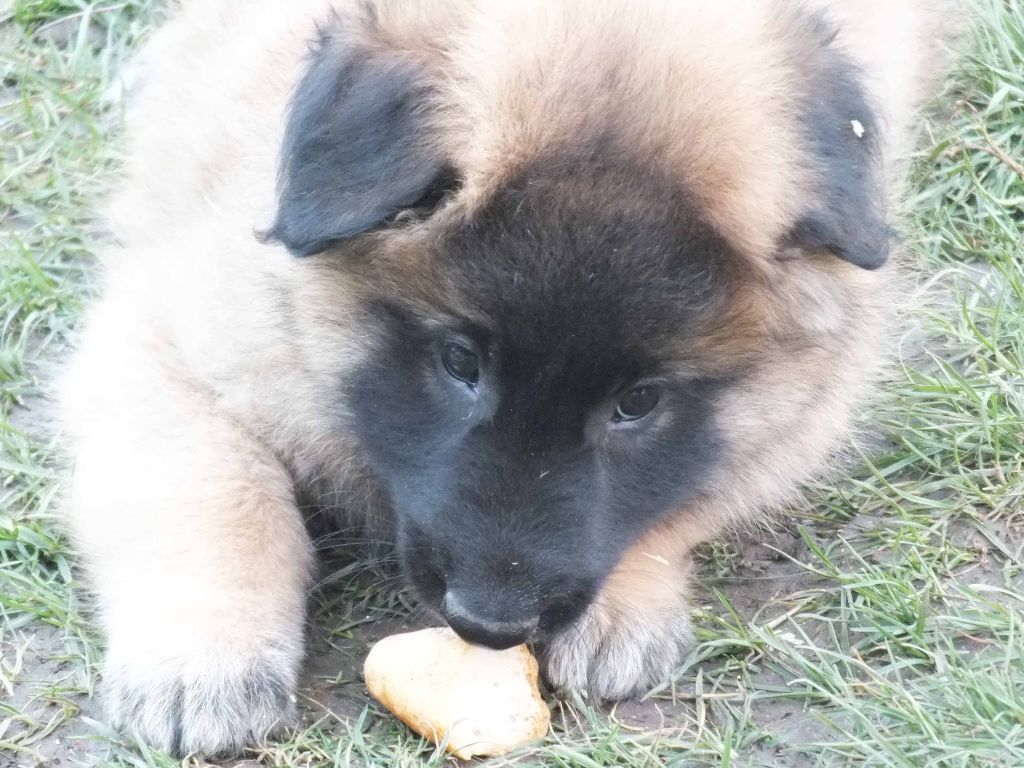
column 204, row 702
column 613, row 654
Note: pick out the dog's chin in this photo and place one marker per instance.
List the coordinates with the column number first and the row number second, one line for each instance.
column 558, row 617
column 427, row 591
column 429, row 614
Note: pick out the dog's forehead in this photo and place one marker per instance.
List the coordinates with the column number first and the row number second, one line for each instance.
column 611, row 261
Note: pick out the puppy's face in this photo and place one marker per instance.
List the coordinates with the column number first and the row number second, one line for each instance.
column 538, row 382
column 534, row 421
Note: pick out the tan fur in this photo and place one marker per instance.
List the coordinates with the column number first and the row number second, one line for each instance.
column 631, row 635
column 194, row 403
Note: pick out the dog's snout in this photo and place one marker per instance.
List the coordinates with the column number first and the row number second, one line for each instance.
column 489, row 627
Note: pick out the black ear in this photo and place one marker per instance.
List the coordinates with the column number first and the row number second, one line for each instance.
column 847, row 213
column 356, row 149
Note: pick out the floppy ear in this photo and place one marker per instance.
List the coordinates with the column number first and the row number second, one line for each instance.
column 355, row 148
column 847, row 215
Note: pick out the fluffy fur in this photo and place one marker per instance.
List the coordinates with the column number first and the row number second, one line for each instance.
column 589, row 193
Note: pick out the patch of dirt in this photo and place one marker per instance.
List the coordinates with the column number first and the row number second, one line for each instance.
column 764, row 570
column 66, row 32
column 334, row 673
column 792, row 728
column 49, row 690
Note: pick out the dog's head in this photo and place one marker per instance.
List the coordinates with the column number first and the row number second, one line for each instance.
column 546, row 352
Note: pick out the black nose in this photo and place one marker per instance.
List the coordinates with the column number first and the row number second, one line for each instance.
column 498, row 632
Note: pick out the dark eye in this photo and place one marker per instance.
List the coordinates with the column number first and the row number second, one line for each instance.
column 461, row 362
column 636, row 403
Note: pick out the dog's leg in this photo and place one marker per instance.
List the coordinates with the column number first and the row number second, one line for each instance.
column 633, row 634
column 196, row 551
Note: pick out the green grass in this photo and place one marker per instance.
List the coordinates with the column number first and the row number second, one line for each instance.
column 886, row 630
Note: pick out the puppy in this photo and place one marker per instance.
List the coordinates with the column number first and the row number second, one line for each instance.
column 553, row 290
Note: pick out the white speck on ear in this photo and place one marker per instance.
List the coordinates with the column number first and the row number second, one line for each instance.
column 213, row 206
column 657, row 558
column 858, row 128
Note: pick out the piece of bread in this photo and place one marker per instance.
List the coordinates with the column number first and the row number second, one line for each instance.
column 484, row 702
